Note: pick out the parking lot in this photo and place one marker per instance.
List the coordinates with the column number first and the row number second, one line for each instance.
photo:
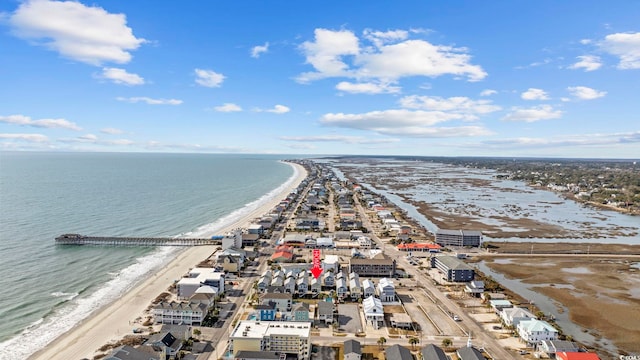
column 349, row 318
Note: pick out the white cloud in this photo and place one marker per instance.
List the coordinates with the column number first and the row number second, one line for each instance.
column 150, row 101
column 209, row 78
column 279, row 109
column 403, row 122
column 111, row 131
column 121, row 76
column 84, row 33
column 586, row 41
column 393, row 56
column 259, row 49
column 338, row 138
column 534, row 94
column 585, row 93
column 41, row 123
column 626, row 46
column 532, row 114
column 367, row 88
column 587, row 62
column 326, row 52
column 488, row 92
column 89, row 137
column 119, row 142
column 37, row 138
column 567, row 140
column 458, row 104
column 228, row 107
column 379, row 38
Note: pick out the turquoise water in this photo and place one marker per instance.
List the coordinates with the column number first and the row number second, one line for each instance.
column 46, row 288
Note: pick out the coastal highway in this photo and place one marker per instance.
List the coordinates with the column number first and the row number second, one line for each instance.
column 479, row 337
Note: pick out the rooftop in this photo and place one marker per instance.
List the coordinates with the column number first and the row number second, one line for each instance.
column 260, row 329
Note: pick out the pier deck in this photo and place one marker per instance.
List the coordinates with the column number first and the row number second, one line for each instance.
column 77, row 239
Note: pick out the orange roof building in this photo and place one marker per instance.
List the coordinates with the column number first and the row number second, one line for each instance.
column 419, row 247
column 576, row 356
column 282, row 256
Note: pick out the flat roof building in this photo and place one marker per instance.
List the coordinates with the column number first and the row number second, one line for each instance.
column 458, row 238
column 274, row 336
column 453, row 268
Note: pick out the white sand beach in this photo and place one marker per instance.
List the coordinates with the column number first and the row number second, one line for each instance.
column 113, row 321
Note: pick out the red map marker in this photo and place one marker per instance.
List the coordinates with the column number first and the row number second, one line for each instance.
column 316, row 270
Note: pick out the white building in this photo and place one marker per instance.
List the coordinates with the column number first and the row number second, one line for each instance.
column 373, row 312
column 513, row 316
column 534, row 331
column 368, row 289
column 386, row 290
column 272, row 336
column 180, row 313
column 331, row 263
column 199, row 277
column 232, row 239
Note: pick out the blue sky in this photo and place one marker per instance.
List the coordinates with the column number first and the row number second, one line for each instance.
column 442, row 78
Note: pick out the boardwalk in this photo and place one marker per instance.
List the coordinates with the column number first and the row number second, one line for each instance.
column 77, row 239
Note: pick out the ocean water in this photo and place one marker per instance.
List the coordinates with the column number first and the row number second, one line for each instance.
column 47, row 289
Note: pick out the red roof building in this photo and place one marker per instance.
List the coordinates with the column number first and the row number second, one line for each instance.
column 282, row 256
column 576, row 356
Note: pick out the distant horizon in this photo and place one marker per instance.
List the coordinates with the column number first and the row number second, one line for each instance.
column 533, row 79
column 324, row 155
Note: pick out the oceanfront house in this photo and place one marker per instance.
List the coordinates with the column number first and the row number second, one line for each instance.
column 325, row 312
column 551, row 347
column 198, row 277
column 458, row 238
column 233, row 239
column 206, row 297
column 167, row 341
column 257, row 229
column 386, row 290
column 469, row 353
column 300, row 312
column 373, row 312
column 433, row 352
column 283, row 302
column 352, row 350
column 368, row 289
column 512, row 316
column 453, row 269
column 230, row 264
column 474, row 288
column 398, row 352
column 282, row 337
column 180, row 313
column 250, row 240
column 378, row 266
column 532, row 332
column 126, row 352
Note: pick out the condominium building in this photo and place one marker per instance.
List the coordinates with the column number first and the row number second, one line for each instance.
column 453, row 268
column 180, row 313
column 458, row 238
column 379, row 265
column 292, row 338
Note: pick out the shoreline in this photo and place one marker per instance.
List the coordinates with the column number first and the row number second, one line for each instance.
column 113, row 321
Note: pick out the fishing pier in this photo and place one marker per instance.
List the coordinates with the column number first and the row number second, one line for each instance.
column 77, row 239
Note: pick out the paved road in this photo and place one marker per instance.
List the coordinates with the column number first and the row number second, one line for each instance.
column 492, row 347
